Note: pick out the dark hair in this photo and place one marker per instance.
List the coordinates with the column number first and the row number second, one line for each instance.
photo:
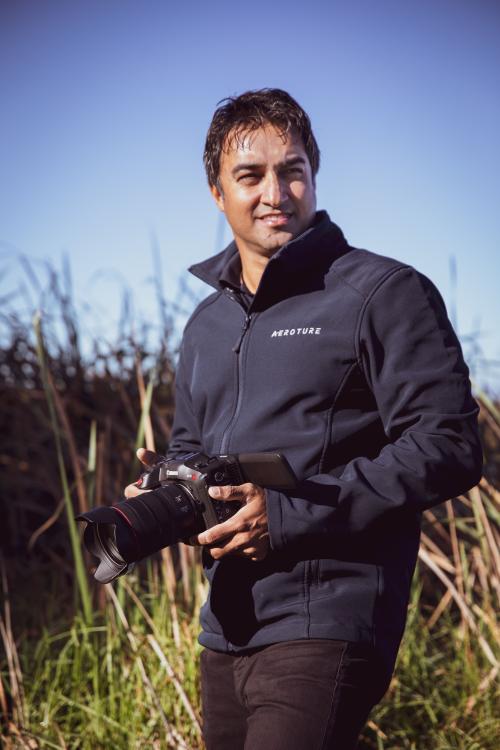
column 237, row 115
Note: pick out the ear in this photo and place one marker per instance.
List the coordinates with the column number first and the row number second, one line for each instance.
column 218, row 196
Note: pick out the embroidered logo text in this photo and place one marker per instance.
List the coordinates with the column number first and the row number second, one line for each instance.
column 296, row 332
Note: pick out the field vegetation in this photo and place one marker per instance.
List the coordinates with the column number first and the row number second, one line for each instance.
column 88, row 667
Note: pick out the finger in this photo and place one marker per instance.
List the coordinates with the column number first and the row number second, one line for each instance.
column 259, row 554
column 147, row 457
column 132, row 491
column 245, row 545
column 235, row 544
column 219, row 532
column 241, row 546
column 249, row 552
column 257, row 557
column 227, row 492
column 223, row 550
column 237, row 524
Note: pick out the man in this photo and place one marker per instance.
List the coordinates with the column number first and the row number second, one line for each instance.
column 345, row 362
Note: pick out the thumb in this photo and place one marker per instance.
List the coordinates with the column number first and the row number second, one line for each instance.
column 148, row 458
column 225, row 492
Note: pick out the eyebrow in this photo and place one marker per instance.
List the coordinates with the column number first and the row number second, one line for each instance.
column 243, row 167
column 249, row 166
column 294, row 160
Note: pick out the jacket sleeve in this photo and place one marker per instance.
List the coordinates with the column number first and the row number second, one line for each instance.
column 185, row 436
column 413, row 364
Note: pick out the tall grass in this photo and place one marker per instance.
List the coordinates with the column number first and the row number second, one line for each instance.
column 116, row 666
column 121, row 682
column 52, row 399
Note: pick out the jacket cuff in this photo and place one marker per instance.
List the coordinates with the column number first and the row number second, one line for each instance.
column 274, row 503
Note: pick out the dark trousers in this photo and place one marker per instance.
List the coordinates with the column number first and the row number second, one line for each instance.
column 296, row 695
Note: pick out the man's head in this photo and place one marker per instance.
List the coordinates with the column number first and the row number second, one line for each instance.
column 261, row 160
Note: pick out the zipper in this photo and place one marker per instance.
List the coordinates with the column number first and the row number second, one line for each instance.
column 244, row 329
column 238, row 350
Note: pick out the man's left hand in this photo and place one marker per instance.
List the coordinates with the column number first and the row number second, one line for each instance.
column 245, row 534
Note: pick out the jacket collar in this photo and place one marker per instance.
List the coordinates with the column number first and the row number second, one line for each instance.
column 319, row 244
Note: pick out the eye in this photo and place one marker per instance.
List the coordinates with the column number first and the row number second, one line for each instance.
column 249, row 178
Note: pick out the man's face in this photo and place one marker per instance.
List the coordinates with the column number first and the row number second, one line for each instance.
column 266, row 189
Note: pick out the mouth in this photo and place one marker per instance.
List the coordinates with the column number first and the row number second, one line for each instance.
column 275, row 219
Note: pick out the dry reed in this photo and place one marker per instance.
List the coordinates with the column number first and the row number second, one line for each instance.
column 72, row 422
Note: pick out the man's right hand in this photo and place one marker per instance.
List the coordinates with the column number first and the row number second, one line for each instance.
column 147, row 459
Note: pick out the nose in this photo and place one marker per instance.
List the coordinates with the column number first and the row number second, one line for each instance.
column 274, row 190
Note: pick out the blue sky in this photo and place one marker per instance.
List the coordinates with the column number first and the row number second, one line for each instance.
column 105, row 106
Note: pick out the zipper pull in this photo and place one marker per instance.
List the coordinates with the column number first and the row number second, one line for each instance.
column 246, row 323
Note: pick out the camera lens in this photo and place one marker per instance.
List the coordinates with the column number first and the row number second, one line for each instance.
column 139, row 527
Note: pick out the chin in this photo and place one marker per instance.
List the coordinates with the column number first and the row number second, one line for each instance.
column 272, row 246
column 280, row 238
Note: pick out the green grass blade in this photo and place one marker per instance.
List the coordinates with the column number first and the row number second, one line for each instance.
column 146, row 408
column 73, row 531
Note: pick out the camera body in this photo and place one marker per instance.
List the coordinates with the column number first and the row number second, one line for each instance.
column 176, row 506
column 196, row 473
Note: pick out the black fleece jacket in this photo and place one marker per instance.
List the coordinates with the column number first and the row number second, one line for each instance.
column 346, row 362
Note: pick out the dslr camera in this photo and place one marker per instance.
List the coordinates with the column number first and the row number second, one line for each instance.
column 177, row 506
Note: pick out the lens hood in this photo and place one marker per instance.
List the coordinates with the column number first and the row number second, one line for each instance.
column 100, row 540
